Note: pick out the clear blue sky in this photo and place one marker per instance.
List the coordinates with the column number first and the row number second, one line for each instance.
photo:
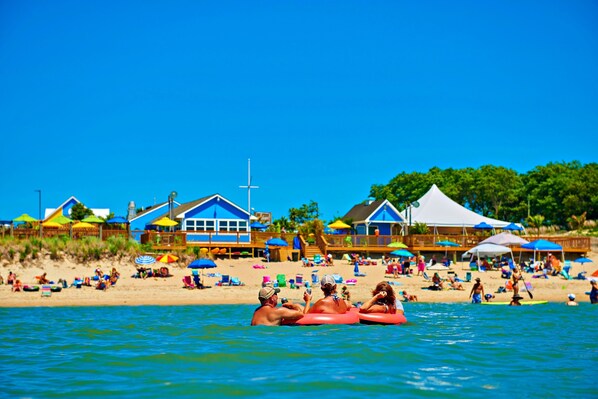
column 114, row 101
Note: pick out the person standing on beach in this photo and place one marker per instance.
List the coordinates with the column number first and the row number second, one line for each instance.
column 331, row 303
column 269, row 315
column 477, row 292
column 594, row 292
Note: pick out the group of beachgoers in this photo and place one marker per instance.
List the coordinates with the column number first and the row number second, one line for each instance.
column 99, row 280
column 383, row 300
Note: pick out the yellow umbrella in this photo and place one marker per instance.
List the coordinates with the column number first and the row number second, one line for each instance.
column 83, row 225
column 397, row 244
column 51, row 224
column 165, row 222
column 339, row 225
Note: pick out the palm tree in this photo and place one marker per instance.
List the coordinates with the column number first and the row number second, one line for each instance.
column 535, row 222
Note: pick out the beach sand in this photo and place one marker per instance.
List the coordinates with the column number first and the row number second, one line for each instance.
column 169, row 291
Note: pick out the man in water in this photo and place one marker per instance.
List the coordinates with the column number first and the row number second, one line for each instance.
column 477, row 291
column 331, row 303
column 571, row 301
column 269, row 315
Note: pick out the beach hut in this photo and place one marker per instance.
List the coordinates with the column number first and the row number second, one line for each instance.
column 378, row 217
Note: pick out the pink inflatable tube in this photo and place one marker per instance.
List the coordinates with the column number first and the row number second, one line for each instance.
column 315, row 319
column 382, row 318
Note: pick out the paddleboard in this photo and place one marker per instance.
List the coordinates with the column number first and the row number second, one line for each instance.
column 522, row 302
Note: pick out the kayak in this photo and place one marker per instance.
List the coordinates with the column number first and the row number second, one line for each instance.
column 522, row 303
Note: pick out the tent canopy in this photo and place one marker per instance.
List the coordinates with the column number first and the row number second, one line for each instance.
column 542, row 245
column 505, row 238
column 436, row 209
column 487, row 250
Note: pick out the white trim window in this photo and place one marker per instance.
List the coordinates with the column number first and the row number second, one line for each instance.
column 200, row 225
column 232, row 226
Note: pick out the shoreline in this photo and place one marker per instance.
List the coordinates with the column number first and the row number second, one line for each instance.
column 170, row 292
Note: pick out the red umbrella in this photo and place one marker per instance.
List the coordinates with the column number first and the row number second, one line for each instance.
column 168, row 258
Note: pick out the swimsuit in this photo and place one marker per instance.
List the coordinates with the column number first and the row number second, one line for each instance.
column 476, row 298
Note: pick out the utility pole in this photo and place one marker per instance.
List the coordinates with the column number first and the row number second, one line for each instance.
column 249, row 187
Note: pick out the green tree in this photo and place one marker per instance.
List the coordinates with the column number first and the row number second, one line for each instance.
column 536, row 222
column 80, row 212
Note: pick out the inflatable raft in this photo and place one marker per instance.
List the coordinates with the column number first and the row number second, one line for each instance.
column 522, row 303
column 317, row 319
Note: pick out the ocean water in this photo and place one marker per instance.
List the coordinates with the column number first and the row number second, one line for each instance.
column 445, row 350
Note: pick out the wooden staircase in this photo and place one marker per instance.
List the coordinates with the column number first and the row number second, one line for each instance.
column 311, row 250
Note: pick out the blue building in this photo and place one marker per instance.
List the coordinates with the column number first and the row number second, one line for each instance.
column 142, row 220
column 210, row 219
column 380, row 215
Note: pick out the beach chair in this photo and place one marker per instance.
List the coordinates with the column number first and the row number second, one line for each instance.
column 389, row 269
column 318, row 259
column 468, row 277
column 347, row 258
column 46, row 290
column 266, row 281
column 337, row 278
column 281, row 279
column 234, row 281
column 225, row 280
column 299, row 280
column 187, row 283
column 315, row 279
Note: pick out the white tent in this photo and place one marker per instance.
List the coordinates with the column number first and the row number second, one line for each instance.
column 437, row 210
column 505, row 238
column 488, row 250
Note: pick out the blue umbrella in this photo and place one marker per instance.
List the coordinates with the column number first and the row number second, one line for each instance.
column 542, row 245
column 277, row 242
column 448, row 244
column 145, row 260
column 583, row 260
column 483, row 226
column 401, row 252
column 202, row 264
column 257, row 225
column 117, row 219
column 512, row 227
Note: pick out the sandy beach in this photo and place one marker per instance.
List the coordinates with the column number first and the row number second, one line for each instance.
column 170, row 291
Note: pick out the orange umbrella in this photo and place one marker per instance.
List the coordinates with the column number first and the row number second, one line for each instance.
column 167, row 258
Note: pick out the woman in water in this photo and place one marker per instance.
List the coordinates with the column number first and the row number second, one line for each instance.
column 383, row 301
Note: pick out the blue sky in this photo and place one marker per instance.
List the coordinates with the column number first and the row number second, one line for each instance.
column 115, row 102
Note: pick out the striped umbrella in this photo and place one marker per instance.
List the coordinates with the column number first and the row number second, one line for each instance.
column 145, row 260
column 167, row 258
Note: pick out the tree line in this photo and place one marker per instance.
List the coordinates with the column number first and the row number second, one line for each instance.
column 561, row 193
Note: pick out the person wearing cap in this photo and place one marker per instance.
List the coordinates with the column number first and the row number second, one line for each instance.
column 331, row 303
column 477, row 292
column 515, row 300
column 571, row 301
column 269, row 315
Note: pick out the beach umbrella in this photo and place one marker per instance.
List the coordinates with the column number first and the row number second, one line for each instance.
column 165, row 222
column 51, row 224
column 62, row 219
column 277, row 242
column 397, row 244
column 512, row 227
column 339, row 225
column 145, row 260
column 117, row 220
column 447, row 244
column 83, row 225
column 167, row 258
column 202, row 264
column 257, row 225
column 92, row 219
column 25, row 218
column 583, row 260
column 483, row 226
column 401, row 252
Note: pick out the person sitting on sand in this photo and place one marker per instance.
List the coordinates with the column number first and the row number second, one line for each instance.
column 269, row 315
column 454, row 284
column 101, row 285
column 383, row 300
column 114, row 275
column 331, row 303
column 437, row 281
column 477, row 292
column 346, row 294
column 17, row 286
column 43, row 279
column 515, row 300
column 571, row 301
column 409, row 298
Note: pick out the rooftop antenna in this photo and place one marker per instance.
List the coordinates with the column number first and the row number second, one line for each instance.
column 249, row 186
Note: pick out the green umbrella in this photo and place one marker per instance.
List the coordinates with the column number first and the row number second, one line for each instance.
column 92, row 219
column 397, row 244
column 61, row 219
column 25, row 218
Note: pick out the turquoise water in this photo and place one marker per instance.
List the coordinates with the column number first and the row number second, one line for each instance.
column 446, row 350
